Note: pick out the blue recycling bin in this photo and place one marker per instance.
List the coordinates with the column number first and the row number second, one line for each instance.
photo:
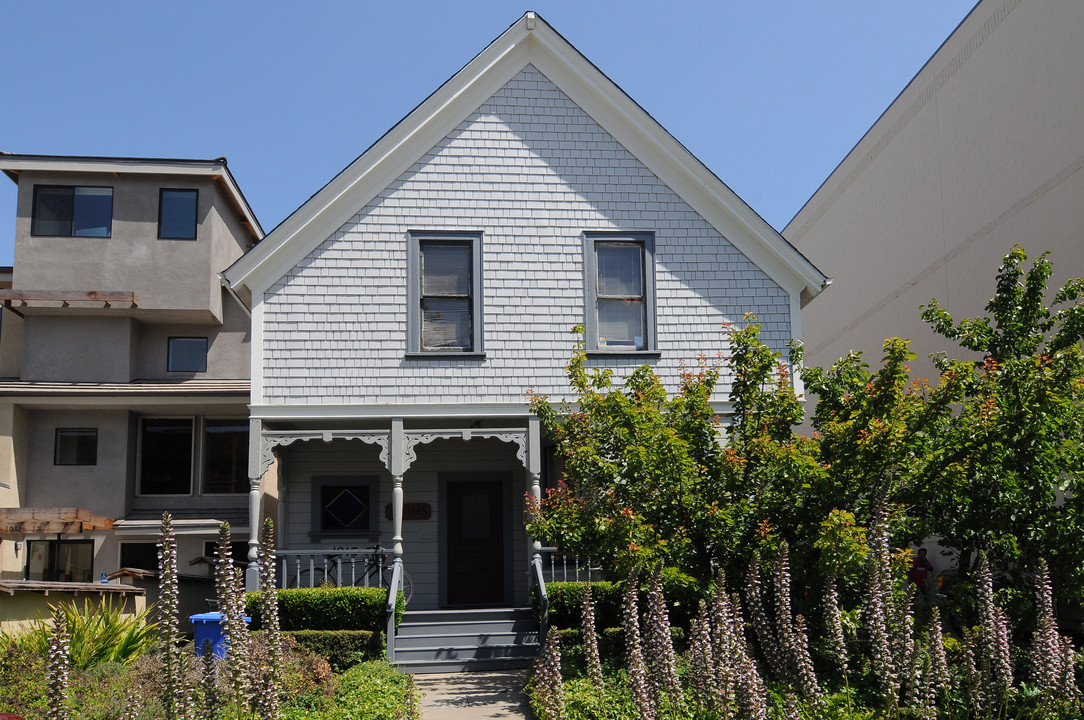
column 209, row 626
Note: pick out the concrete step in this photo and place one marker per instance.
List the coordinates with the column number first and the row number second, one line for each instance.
column 433, row 641
column 423, row 667
column 459, row 639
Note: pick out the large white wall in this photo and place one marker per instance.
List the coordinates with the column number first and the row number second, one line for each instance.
column 532, row 172
column 983, row 150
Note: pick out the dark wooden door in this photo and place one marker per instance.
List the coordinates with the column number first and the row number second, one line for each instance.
column 475, row 548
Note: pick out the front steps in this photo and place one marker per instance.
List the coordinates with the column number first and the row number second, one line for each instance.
column 439, row 641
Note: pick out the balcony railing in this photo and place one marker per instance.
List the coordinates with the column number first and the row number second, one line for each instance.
column 334, row 567
column 558, row 567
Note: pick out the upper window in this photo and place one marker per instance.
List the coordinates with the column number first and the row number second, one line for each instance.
column 620, row 280
column 177, row 214
column 165, row 466
column 67, row 211
column 168, row 452
column 187, row 354
column 445, row 290
column 225, row 456
column 76, row 446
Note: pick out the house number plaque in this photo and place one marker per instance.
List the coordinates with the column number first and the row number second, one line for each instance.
column 412, row 511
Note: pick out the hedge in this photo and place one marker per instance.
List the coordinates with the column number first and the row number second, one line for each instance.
column 344, row 608
column 342, row 648
column 682, row 593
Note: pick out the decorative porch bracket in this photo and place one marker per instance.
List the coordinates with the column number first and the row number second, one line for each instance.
column 274, row 439
column 413, row 438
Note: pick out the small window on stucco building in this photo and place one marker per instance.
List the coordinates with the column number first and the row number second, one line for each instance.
column 177, row 214
column 76, row 446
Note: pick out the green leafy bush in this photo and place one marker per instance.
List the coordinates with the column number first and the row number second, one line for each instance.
column 369, row 691
column 100, row 632
column 566, row 603
column 683, row 594
column 344, row 608
column 342, row 648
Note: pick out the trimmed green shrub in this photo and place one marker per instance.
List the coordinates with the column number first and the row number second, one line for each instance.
column 683, row 595
column 341, row 648
column 566, row 603
column 329, row 608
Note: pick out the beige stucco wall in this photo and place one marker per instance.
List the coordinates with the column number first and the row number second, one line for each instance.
column 25, row 607
column 982, row 151
column 100, row 488
column 13, row 441
column 227, row 346
column 78, row 348
column 164, row 274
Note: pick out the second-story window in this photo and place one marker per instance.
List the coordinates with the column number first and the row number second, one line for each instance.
column 620, row 312
column 72, row 211
column 187, row 354
column 177, row 214
column 166, row 456
column 179, row 455
column 445, row 314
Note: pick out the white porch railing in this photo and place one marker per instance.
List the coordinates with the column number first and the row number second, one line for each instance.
column 336, row 567
column 558, row 567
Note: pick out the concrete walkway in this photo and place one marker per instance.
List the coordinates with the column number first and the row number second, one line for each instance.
column 474, row 696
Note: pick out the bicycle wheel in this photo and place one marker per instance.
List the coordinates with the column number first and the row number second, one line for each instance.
column 316, row 577
column 408, row 582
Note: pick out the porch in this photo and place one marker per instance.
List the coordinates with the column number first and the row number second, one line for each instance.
column 442, row 498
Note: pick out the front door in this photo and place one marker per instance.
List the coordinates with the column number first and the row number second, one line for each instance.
column 474, row 557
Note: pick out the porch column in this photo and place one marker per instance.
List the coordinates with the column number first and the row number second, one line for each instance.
column 255, row 475
column 534, row 472
column 397, row 465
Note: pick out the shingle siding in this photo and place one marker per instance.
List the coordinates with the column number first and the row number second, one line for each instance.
column 531, row 171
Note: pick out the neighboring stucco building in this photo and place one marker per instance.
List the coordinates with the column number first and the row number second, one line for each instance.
column 403, row 313
column 123, row 364
column 983, row 149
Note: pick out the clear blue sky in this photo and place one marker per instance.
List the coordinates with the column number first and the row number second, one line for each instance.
column 769, row 95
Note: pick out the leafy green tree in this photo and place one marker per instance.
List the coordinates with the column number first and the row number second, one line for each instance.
column 1010, row 465
column 639, row 468
column 647, row 480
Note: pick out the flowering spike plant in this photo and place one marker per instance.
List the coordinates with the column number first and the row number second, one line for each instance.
column 725, row 645
column 702, row 688
column 590, row 639
column 807, row 679
column 783, row 622
column 209, row 680
column 268, row 675
column 231, row 601
column 660, row 658
column 939, row 679
column 639, row 685
column 178, row 694
column 833, row 622
column 878, row 604
column 769, row 643
column 548, row 681
column 58, row 668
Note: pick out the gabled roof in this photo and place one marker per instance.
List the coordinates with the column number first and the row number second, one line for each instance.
column 529, row 41
column 12, row 164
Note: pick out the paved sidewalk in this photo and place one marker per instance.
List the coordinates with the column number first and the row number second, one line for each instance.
column 474, row 696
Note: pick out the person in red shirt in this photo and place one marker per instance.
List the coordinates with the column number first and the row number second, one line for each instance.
column 920, row 575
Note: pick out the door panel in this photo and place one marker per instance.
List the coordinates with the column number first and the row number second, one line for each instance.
column 475, row 548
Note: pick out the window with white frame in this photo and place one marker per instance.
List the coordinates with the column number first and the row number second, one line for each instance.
column 445, row 287
column 619, row 269
column 179, row 454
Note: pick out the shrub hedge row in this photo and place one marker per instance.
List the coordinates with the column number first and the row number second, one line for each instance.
column 342, row 648
column 344, row 608
column 682, row 593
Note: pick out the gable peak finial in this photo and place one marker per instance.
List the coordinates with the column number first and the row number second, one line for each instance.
column 530, row 19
